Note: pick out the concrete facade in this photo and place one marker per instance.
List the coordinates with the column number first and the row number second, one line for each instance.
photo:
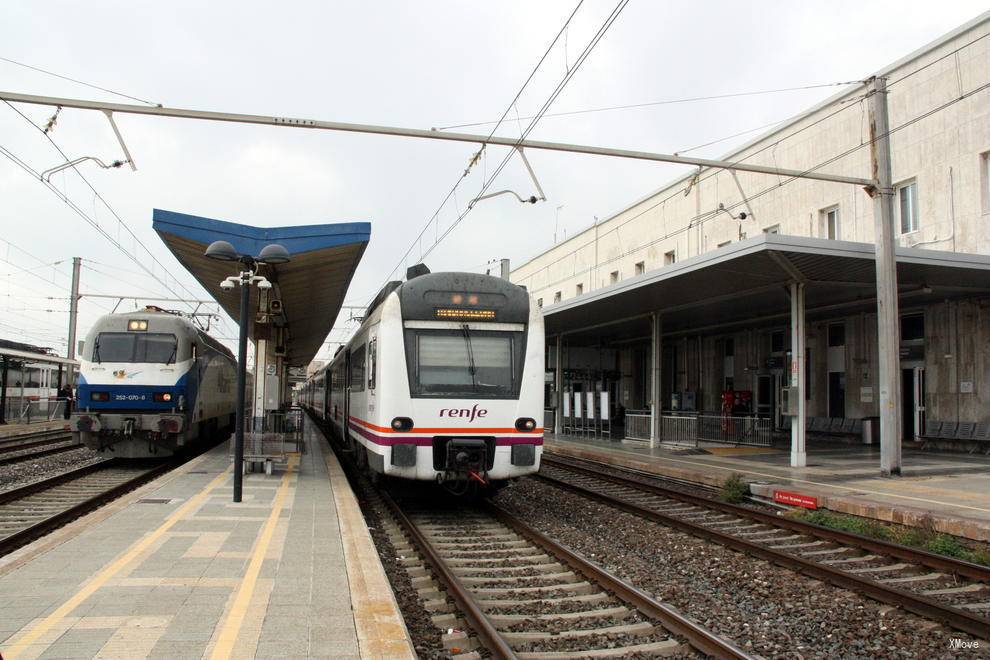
column 944, row 153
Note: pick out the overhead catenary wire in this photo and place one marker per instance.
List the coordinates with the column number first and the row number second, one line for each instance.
column 78, row 82
column 115, row 242
column 710, row 215
column 453, row 191
column 650, row 104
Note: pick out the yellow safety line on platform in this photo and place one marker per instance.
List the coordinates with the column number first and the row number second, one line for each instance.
column 235, row 618
column 110, row 571
column 794, row 479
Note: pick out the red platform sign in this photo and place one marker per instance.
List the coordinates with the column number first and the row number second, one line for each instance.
column 795, row 499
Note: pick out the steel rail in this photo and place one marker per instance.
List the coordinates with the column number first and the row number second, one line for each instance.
column 674, row 621
column 913, row 555
column 476, row 618
column 10, row 444
column 50, row 482
column 19, row 458
column 924, row 606
column 42, row 527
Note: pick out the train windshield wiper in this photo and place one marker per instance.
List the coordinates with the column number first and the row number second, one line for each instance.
column 96, row 352
column 470, row 351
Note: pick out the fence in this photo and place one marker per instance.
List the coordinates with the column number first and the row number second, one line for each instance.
column 726, row 429
column 638, row 424
column 26, row 410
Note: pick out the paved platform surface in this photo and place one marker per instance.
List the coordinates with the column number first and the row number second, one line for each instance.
column 949, row 491
column 179, row 571
column 13, row 430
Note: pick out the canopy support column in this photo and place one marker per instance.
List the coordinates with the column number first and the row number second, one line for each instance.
column 558, row 388
column 799, row 456
column 656, row 324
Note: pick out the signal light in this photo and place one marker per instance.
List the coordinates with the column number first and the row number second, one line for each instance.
column 525, row 424
column 402, row 424
column 137, row 324
column 99, row 396
column 163, row 397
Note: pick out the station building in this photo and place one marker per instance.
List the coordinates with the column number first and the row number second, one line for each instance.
column 689, row 291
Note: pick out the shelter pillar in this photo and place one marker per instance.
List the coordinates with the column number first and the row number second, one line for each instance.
column 558, row 387
column 799, row 457
column 260, row 382
column 656, row 347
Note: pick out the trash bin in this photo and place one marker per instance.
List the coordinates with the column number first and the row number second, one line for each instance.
column 871, row 430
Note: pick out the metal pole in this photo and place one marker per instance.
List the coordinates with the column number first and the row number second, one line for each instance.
column 656, row 406
column 799, row 455
column 241, row 384
column 504, row 264
column 558, row 386
column 3, row 392
column 73, row 307
column 395, row 131
column 888, row 320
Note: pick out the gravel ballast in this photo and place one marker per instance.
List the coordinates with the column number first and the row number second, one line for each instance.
column 25, row 472
column 764, row 608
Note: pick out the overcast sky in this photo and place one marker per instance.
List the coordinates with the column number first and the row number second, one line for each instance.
column 416, row 64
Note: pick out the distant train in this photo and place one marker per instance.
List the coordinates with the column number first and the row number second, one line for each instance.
column 151, row 383
column 442, row 382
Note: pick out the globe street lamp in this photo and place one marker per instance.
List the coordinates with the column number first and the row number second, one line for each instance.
column 270, row 254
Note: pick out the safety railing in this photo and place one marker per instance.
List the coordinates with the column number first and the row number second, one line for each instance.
column 638, row 424
column 29, row 410
column 687, row 428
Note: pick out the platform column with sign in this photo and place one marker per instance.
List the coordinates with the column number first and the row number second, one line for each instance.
column 799, row 456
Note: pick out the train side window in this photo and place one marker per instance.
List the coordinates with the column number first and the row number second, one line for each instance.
column 372, row 362
column 357, row 369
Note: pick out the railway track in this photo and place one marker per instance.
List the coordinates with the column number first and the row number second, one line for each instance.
column 36, row 445
column 953, row 592
column 34, row 510
column 518, row 593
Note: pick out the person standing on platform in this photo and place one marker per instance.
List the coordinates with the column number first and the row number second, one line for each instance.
column 65, row 394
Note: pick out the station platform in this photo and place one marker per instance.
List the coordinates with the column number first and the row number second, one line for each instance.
column 950, row 492
column 14, row 430
column 175, row 569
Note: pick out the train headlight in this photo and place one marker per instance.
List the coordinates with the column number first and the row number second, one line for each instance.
column 99, row 396
column 402, row 424
column 163, row 397
column 137, row 325
column 525, row 424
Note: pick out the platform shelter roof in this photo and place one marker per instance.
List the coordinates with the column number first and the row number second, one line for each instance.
column 746, row 285
column 311, row 287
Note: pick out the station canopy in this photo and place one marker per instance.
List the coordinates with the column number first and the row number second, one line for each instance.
column 311, row 286
column 745, row 284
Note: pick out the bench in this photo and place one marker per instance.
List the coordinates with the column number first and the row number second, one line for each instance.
column 977, row 433
column 830, row 426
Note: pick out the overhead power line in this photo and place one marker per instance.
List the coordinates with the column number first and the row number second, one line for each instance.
column 78, row 82
column 650, row 104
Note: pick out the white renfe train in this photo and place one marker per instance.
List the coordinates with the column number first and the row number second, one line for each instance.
column 151, row 383
column 442, row 382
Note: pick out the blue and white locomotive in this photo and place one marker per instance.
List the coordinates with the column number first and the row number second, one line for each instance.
column 152, row 383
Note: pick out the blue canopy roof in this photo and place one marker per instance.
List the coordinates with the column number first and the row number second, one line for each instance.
column 311, row 287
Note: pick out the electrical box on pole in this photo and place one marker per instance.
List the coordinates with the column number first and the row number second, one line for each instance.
column 888, row 319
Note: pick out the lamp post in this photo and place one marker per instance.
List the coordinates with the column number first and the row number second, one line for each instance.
column 270, row 254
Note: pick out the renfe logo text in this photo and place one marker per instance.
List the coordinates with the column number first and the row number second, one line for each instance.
column 470, row 414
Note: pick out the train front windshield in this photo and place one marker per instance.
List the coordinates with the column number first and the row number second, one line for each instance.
column 134, row 347
column 465, row 363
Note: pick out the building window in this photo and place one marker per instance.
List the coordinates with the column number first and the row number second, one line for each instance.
column 912, row 327
column 640, row 267
column 985, row 179
column 556, row 297
column 539, row 302
column 730, row 347
column 772, row 229
column 837, row 334
column 830, row 221
column 907, row 206
column 669, row 257
column 613, row 277
column 579, row 289
column 777, row 341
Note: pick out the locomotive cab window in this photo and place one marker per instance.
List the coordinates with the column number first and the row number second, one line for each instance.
column 131, row 347
column 464, row 363
column 357, row 369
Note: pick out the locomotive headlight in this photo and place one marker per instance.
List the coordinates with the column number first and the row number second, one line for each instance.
column 402, row 424
column 137, row 324
column 163, row 396
column 99, row 396
column 525, row 424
